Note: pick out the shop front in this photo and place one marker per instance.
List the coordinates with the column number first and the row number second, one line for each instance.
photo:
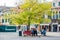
column 42, row 26
column 55, row 27
column 59, row 28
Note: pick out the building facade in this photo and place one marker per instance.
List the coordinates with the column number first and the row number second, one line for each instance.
column 54, row 26
column 55, row 16
column 4, row 10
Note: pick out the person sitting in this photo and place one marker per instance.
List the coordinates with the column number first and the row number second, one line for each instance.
column 44, row 32
column 35, row 32
column 32, row 32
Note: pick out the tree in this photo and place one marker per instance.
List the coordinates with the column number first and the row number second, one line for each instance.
column 32, row 13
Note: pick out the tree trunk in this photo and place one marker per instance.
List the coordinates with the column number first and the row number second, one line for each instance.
column 28, row 27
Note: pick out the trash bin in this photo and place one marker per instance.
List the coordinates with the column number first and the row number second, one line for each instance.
column 20, row 33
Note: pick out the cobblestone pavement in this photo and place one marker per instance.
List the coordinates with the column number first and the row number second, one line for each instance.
column 14, row 36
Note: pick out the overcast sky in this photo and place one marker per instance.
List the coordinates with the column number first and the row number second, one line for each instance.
column 49, row 0
column 11, row 3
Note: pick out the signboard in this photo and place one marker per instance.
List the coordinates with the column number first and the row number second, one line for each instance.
column 5, row 28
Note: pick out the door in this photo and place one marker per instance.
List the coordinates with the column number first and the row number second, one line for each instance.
column 59, row 29
column 55, row 28
column 49, row 28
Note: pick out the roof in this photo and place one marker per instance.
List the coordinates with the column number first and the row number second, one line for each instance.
column 5, row 8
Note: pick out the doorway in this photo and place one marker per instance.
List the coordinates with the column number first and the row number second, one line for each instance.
column 59, row 29
column 55, row 28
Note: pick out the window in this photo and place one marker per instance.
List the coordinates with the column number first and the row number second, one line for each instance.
column 5, row 20
column 56, row 12
column 56, row 16
column 53, row 4
column 49, row 17
column 2, row 20
column 0, row 11
column 59, row 14
column 59, row 3
column 8, row 20
column 53, row 16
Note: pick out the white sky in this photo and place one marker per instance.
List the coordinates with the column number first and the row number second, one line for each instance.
column 10, row 2
column 49, row 0
column 7, row 2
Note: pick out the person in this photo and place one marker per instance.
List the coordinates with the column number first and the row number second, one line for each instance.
column 20, row 32
column 32, row 32
column 44, row 32
column 35, row 32
column 19, row 27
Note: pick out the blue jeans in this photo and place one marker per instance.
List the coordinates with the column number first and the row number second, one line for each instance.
column 44, row 33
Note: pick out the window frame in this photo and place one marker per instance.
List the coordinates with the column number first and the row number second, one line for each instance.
column 59, row 3
column 53, row 4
